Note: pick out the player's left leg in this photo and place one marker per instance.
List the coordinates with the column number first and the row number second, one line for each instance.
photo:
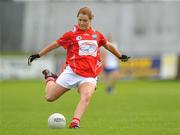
column 53, row 90
column 86, row 90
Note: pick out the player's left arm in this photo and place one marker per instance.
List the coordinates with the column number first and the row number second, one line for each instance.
column 110, row 47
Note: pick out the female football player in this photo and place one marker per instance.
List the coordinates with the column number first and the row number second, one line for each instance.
column 83, row 63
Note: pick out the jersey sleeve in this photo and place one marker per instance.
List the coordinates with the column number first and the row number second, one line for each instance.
column 65, row 40
column 102, row 39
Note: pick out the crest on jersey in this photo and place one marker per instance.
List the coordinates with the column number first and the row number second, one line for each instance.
column 94, row 36
column 78, row 38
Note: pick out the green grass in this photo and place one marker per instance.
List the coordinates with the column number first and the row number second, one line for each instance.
column 136, row 108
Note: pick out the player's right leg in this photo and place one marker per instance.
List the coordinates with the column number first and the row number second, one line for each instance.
column 53, row 90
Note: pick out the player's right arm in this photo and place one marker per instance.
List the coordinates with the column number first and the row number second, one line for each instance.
column 49, row 48
column 44, row 51
column 63, row 41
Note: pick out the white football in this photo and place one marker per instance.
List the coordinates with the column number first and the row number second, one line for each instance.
column 56, row 120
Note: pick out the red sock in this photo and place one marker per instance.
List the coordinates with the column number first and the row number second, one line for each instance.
column 76, row 120
column 50, row 79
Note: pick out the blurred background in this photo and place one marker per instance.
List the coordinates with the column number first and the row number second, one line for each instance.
column 146, row 30
column 144, row 101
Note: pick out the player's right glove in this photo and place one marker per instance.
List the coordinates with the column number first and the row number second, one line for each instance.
column 124, row 58
column 32, row 57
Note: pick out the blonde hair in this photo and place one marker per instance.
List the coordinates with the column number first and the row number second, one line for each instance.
column 86, row 11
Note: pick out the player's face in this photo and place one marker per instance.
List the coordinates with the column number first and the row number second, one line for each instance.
column 84, row 22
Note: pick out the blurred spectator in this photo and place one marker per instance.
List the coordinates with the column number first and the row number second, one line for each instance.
column 110, row 68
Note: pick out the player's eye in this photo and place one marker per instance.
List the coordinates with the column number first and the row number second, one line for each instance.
column 83, row 20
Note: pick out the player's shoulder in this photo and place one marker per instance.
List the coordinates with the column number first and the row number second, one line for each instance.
column 99, row 33
column 72, row 31
column 68, row 33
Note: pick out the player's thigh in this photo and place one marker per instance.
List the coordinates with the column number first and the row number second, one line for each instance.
column 86, row 89
column 57, row 90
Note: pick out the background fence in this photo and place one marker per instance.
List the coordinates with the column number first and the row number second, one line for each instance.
column 141, row 28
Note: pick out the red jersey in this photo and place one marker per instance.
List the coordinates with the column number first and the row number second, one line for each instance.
column 83, row 54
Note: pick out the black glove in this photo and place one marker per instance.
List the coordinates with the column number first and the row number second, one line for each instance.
column 124, row 58
column 32, row 57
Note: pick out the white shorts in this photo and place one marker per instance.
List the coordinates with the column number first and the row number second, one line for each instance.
column 69, row 79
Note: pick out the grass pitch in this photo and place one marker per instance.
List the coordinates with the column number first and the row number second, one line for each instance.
column 136, row 108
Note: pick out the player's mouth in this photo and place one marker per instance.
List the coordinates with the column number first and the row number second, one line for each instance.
column 83, row 27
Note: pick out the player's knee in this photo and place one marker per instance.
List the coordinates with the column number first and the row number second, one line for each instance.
column 86, row 97
column 49, row 98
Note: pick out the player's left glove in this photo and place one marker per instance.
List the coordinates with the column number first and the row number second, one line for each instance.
column 32, row 57
column 124, row 58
